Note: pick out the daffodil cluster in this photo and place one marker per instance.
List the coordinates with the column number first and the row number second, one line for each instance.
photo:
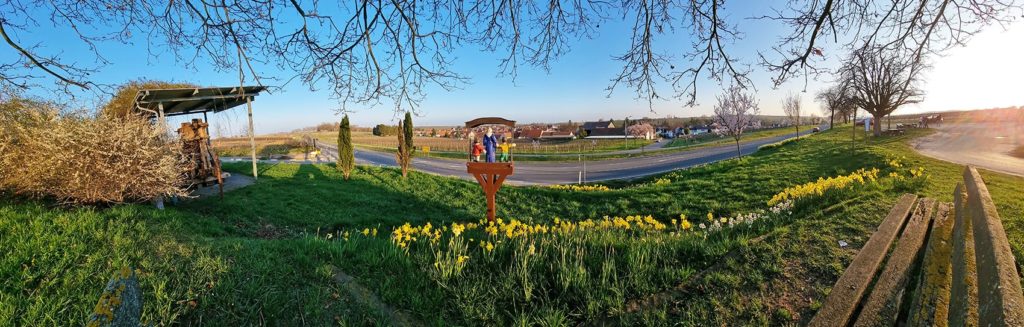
column 822, row 185
column 917, row 172
column 897, row 165
column 581, row 188
column 895, row 162
column 406, row 234
column 493, row 234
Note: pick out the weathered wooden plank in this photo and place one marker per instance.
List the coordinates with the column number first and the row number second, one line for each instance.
column 848, row 291
column 931, row 301
column 883, row 304
column 963, row 305
column 1001, row 301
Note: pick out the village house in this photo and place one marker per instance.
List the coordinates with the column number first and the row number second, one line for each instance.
column 590, row 126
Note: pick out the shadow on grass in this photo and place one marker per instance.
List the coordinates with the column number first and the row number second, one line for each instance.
column 306, row 198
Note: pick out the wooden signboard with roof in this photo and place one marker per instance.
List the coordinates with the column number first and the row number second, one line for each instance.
column 490, row 175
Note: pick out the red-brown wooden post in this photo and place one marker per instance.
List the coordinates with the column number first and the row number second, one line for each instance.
column 490, row 175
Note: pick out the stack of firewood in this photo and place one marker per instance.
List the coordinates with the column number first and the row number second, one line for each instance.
column 195, row 143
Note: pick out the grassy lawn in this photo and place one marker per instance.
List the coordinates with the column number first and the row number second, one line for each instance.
column 290, row 249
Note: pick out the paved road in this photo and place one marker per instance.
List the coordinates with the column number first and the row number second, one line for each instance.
column 528, row 173
column 985, row 145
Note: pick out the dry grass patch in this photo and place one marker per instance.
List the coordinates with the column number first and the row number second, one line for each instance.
column 266, row 146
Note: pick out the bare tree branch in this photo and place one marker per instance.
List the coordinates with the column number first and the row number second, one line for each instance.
column 372, row 51
column 922, row 27
column 44, row 64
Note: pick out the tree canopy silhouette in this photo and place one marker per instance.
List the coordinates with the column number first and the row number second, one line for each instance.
column 368, row 51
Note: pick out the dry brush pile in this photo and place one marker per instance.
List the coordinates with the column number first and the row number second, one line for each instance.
column 76, row 158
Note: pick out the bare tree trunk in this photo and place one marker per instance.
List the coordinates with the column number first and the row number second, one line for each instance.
column 853, row 140
column 737, row 147
column 832, row 118
column 877, row 127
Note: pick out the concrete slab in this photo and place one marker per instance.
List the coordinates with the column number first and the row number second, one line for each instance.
column 231, row 182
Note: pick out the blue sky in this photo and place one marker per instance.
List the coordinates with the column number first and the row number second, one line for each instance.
column 985, row 74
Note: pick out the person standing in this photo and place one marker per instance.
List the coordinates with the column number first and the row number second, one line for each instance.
column 477, row 150
column 505, row 147
column 490, row 144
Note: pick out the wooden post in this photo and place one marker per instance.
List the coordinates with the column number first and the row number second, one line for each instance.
column 252, row 138
column 209, row 138
column 491, row 191
column 163, row 118
column 490, row 176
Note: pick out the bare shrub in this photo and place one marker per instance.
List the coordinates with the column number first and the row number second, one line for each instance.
column 79, row 159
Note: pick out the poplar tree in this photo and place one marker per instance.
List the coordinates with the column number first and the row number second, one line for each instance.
column 346, row 155
column 404, row 155
column 408, row 132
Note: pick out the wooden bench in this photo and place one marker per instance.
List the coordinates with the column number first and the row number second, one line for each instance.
column 951, row 266
column 893, row 132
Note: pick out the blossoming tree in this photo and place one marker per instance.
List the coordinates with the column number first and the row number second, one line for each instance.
column 735, row 111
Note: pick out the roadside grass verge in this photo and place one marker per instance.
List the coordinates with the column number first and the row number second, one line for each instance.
column 272, row 252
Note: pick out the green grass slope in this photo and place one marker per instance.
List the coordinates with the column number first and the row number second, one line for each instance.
column 263, row 254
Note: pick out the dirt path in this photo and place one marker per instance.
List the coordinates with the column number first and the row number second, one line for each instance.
column 985, row 145
column 367, row 298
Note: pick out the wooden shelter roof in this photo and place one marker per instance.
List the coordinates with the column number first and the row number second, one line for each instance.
column 490, row 120
column 194, row 100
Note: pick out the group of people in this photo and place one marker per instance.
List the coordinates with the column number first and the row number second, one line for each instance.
column 488, row 145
